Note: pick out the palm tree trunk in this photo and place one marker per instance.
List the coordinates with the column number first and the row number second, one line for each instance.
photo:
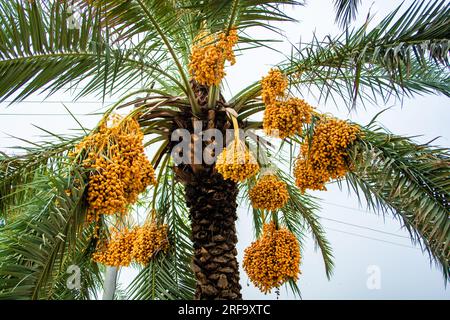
column 212, row 204
column 109, row 285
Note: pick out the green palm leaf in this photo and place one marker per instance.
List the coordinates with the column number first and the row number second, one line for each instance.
column 169, row 276
column 40, row 50
column 38, row 246
column 409, row 180
column 400, row 56
column 346, row 11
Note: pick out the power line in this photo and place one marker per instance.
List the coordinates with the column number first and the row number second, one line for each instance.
column 371, row 238
column 349, row 208
column 364, row 227
column 354, row 209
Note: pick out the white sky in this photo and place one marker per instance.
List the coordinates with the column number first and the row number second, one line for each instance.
column 405, row 271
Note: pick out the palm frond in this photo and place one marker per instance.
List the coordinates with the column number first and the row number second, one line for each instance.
column 221, row 14
column 41, row 51
column 38, row 244
column 391, row 58
column 78, row 259
column 410, row 181
column 18, row 172
column 157, row 22
column 400, row 56
column 346, row 11
column 169, row 276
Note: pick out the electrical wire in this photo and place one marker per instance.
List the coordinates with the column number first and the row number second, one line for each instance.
column 372, row 238
column 364, row 227
column 359, row 210
column 349, row 208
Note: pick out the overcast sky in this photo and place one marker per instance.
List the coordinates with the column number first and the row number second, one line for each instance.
column 362, row 241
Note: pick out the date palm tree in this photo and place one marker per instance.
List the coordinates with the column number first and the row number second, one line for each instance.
column 118, row 44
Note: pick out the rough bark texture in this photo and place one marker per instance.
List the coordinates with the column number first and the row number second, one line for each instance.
column 212, row 204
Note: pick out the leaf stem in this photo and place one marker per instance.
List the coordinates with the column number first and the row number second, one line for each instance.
column 194, row 104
